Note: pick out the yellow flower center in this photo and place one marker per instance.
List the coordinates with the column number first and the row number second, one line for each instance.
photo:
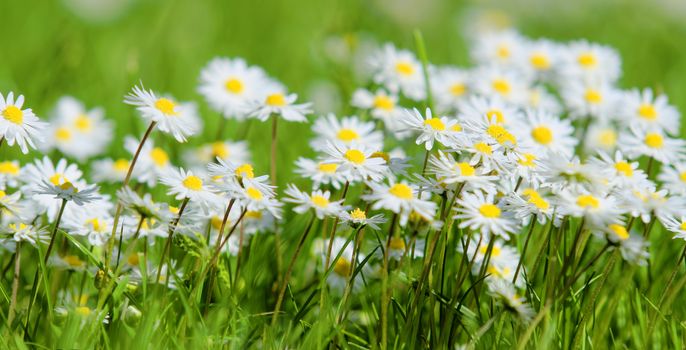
column 320, row 201
column 435, row 123
column 159, row 157
column 133, row 259
column 220, row 150
column 347, row 135
column 607, row 138
column 620, row 231
column 166, row 106
column 587, row 60
column 503, row 51
column 458, row 89
column 276, row 100
column 13, row 114
column 495, row 251
column 587, row 201
column 68, row 186
column 647, row 111
column 404, row 68
column 96, row 224
column 62, row 134
column 456, row 128
column 466, row 169
column 57, row 179
column 192, row 183
column 542, row 134
column 72, row 260
column 593, row 96
column 2, row 194
column 216, row 222
column 355, row 156
column 342, row 267
column 682, row 176
column 502, row 86
column 401, row 191
column 383, row 102
column 500, row 134
column 83, row 123
column 624, row 168
column 256, row 215
column 484, row 148
column 15, row 227
column 234, row 86
column 358, row 214
column 245, row 170
column 539, row 61
column 498, row 114
column 683, row 226
column 254, row 193
column 489, row 210
column 397, row 243
column 383, row 155
column 536, row 199
column 654, row 140
column 83, row 310
column 8, row 167
column 328, row 168
column 121, row 165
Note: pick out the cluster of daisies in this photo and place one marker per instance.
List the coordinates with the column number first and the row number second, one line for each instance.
column 536, row 134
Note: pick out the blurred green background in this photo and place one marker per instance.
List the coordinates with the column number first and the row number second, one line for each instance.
column 96, row 50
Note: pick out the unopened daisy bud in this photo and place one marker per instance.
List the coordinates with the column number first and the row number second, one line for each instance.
column 100, row 279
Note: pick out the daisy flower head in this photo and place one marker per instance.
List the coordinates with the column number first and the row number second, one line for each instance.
column 319, row 201
column 493, row 132
column 450, row 87
column 539, row 59
column 487, row 156
column 596, row 100
column 356, row 162
column 95, row 225
column 505, row 84
column 645, row 201
column 223, row 171
column 545, row 130
column 632, row 247
column 229, row 85
column 497, row 47
column 480, row 212
column 597, row 209
column 652, row 143
column 153, row 161
column 34, row 175
column 19, row 125
column 479, row 108
column 676, row 225
column 382, row 106
column 358, row 218
column 21, row 232
column 618, row 170
column 76, row 131
column 279, row 103
column 538, row 97
column 321, row 173
column 234, row 152
column 582, row 60
column 673, row 178
column 400, row 198
column 178, row 119
column 529, row 201
column 431, row 129
column 144, row 206
column 601, row 136
column 69, row 192
column 398, row 71
column 506, row 293
column 449, row 171
column 561, row 173
column 184, row 184
column 648, row 111
column 110, row 170
column 346, row 131
column 255, row 196
column 9, row 173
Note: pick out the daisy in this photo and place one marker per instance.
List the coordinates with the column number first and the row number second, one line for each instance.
column 497, row 47
column 478, row 108
column 478, row 211
column 110, row 170
column 539, row 59
column 346, row 131
column 355, row 162
column 648, row 111
column 319, row 201
column 589, row 61
column 548, row 131
column 10, row 203
column 601, row 137
column 617, row 170
column 255, row 195
column 487, row 156
column 492, row 132
column 676, row 226
column 645, row 201
column 597, row 100
column 674, row 178
column 400, row 198
column 538, row 97
column 34, row 174
column 494, row 81
column 234, row 152
column 431, row 129
column 382, row 106
column 184, row 185
column 19, row 125
column 449, row 172
column 76, row 131
column 450, row 86
column 505, row 292
column 69, row 192
column 398, row 71
column 597, row 209
column 280, row 104
column 95, row 225
column 230, row 85
column 143, row 206
column 561, row 173
column 178, row 119
column 9, row 173
column 528, row 202
column 358, row 218
column 321, row 173
column 21, row 232
column 654, row 144
column 152, row 163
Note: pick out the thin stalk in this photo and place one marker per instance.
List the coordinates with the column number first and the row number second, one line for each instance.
column 526, row 244
column 287, row 276
column 15, row 284
column 332, row 235
column 273, row 150
column 384, row 285
column 167, row 246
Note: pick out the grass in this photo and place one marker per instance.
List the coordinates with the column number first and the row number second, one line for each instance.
column 50, row 51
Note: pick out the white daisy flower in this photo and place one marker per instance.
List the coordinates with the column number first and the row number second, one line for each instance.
column 234, row 152
column 346, row 131
column 357, row 218
column 9, row 173
column 19, row 125
column 178, row 119
column 548, row 131
column 152, row 163
column 431, row 128
column 528, row 202
column 648, row 111
column 479, row 212
column 255, row 195
column 505, row 292
column 676, row 226
column 183, row 184
column 231, row 85
column 355, row 162
column 448, row 171
column 478, row 108
column 10, row 203
column 382, row 106
column 321, row 173
column 597, row 100
column 601, row 137
column 449, row 86
column 110, row 170
column 95, row 225
column 318, row 200
column 494, row 81
column 280, row 104
column 582, row 60
column 655, row 144
column 674, row 178
column 617, row 170
column 398, row 71
column 400, row 198
column 69, row 192
column 34, row 174
column 497, row 47
column 21, row 232
column 539, row 59
column 597, row 209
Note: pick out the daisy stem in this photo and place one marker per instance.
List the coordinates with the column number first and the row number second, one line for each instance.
column 15, row 284
column 220, row 128
column 384, row 284
column 651, row 324
column 426, row 161
column 287, row 276
column 167, row 246
column 238, row 255
column 351, row 281
column 649, row 168
column 218, row 244
column 526, row 244
column 54, row 231
column 2, row 140
column 273, row 151
column 332, row 235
